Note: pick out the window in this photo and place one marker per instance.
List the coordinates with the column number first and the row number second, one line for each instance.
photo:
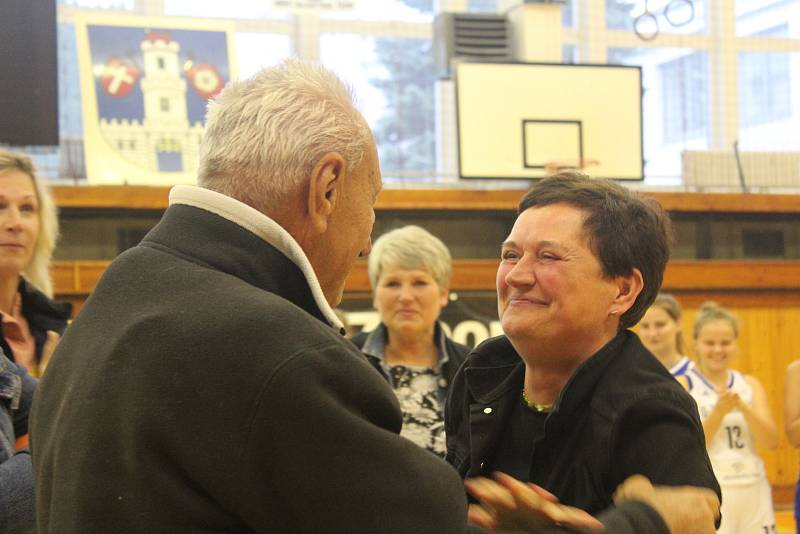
column 70, row 120
column 666, row 104
column 684, row 83
column 568, row 14
column 237, row 9
column 764, row 87
column 569, row 54
column 384, row 10
column 765, row 83
column 660, row 16
column 620, row 14
column 394, row 82
column 760, row 17
column 164, row 104
column 255, row 51
column 482, row 6
column 383, row 48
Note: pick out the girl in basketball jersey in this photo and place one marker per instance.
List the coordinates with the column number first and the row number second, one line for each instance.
column 735, row 415
column 660, row 330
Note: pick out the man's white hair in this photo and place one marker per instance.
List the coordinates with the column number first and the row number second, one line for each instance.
column 264, row 134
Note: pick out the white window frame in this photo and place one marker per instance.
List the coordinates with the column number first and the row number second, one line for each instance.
column 590, row 36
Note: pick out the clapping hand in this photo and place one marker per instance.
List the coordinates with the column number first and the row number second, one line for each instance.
column 728, row 400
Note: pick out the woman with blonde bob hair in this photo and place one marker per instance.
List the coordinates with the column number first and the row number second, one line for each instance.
column 31, row 320
column 410, row 269
column 736, row 416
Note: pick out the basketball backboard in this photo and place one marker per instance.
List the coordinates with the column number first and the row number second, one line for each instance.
column 526, row 120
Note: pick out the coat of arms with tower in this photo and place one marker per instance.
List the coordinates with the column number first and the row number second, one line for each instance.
column 165, row 140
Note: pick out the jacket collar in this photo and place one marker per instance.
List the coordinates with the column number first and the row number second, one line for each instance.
column 263, row 228
column 495, row 370
column 34, row 302
column 376, row 341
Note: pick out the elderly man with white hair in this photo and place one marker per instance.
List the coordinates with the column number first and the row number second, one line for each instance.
column 206, row 385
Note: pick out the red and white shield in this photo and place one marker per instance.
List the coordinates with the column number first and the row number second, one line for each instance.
column 205, row 79
column 118, row 77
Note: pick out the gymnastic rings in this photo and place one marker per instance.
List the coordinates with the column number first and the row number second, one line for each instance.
column 641, row 23
column 673, row 7
column 645, row 26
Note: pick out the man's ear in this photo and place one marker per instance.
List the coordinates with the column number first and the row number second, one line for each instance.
column 628, row 289
column 325, row 189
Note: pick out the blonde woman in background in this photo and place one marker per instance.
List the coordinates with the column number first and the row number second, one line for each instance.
column 31, row 320
column 28, row 329
column 660, row 330
column 409, row 269
column 736, row 416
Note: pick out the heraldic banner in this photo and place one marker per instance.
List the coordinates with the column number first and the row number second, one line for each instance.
column 145, row 84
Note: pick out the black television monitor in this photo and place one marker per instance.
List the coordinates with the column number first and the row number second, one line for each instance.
column 28, row 73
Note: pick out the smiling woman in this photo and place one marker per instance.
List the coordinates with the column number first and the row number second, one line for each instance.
column 569, row 398
column 31, row 321
column 409, row 269
column 27, row 235
column 736, row 417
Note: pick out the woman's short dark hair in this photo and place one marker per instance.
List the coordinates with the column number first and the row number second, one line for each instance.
column 625, row 231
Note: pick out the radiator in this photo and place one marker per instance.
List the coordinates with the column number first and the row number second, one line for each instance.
column 718, row 168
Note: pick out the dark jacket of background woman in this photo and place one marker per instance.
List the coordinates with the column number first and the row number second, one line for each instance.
column 455, row 355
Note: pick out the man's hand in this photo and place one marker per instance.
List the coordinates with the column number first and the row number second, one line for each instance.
column 508, row 504
column 685, row 509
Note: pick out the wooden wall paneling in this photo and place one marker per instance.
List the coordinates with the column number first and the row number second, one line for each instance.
column 726, row 202
column 103, row 196
column 145, row 197
column 702, row 276
column 732, row 274
column 76, row 277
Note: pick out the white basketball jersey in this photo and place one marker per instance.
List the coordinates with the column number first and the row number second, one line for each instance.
column 681, row 367
column 731, row 450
